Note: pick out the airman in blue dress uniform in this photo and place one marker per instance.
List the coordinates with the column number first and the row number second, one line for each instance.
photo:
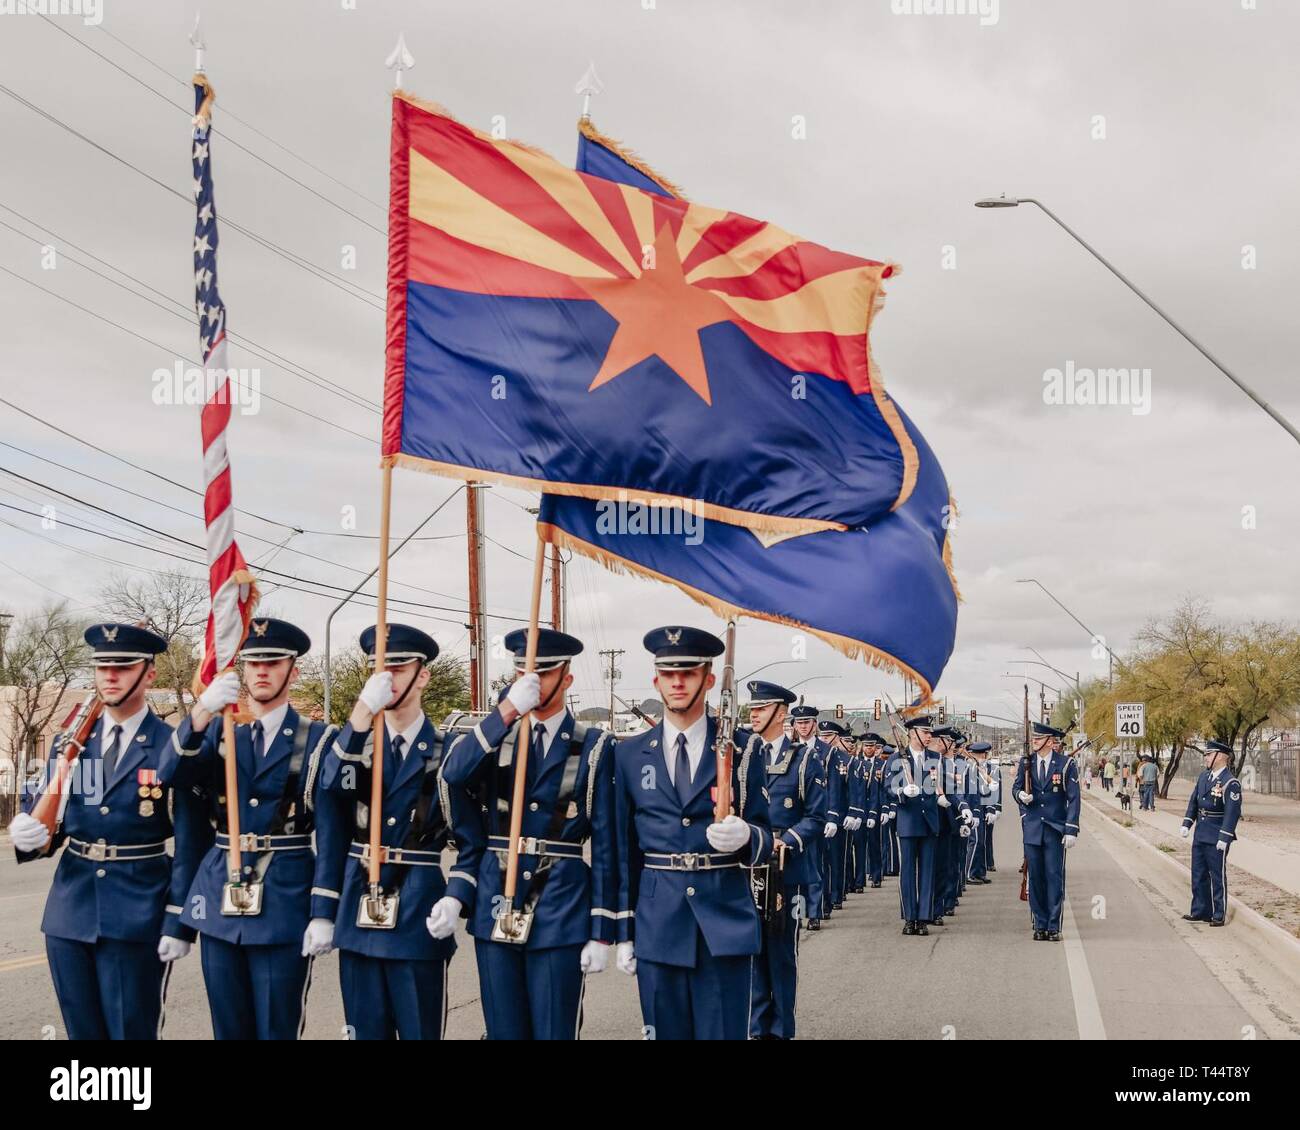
column 855, row 824
column 803, row 719
column 1049, row 824
column 532, row 987
column 877, row 806
column 913, row 779
column 690, row 930
column 979, row 793
column 835, row 735
column 112, row 919
column 257, row 955
column 393, row 976
column 994, row 770
column 796, row 795
column 1213, row 810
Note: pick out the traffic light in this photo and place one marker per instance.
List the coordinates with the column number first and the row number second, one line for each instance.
column 942, row 716
column 839, row 710
column 972, row 716
column 875, row 711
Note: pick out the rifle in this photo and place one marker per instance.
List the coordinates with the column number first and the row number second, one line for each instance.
column 724, row 744
column 638, row 712
column 49, row 809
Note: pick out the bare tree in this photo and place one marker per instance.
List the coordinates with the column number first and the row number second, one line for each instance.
column 175, row 605
column 44, row 653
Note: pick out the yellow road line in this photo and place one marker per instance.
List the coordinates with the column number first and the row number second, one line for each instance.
column 22, row 962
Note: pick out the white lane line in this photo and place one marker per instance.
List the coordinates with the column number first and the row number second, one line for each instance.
column 1087, row 1012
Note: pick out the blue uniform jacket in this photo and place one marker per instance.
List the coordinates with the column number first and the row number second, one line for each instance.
column 1056, row 803
column 666, row 911
column 1214, row 808
column 837, row 783
column 859, row 782
column 919, row 815
column 579, row 900
column 298, row 885
column 878, row 798
column 796, row 797
column 345, row 781
column 129, row 900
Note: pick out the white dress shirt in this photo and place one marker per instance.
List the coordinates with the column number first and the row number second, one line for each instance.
column 549, row 727
column 271, row 723
column 130, row 727
column 408, row 735
column 696, row 734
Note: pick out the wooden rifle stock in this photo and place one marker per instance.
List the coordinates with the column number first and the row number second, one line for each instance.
column 49, row 809
column 724, row 743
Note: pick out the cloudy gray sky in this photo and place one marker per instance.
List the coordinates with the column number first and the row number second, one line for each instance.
column 909, row 119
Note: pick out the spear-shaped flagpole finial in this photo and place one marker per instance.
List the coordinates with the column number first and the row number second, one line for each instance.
column 196, row 38
column 399, row 59
column 588, row 85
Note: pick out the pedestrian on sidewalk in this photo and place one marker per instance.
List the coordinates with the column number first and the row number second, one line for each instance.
column 1108, row 774
column 1087, row 778
column 1148, row 775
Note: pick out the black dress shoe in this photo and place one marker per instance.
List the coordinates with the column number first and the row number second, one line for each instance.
column 837, row 906
column 937, row 921
column 909, row 928
column 992, row 868
column 1216, row 921
column 1053, row 935
column 814, row 924
column 876, row 884
column 921, row 929
column 1039, row 935
column 1193, row 918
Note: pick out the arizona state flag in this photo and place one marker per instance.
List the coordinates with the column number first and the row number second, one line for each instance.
column 885, row 594
column 564, row 332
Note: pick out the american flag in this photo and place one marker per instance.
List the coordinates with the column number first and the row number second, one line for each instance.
column 230, row 584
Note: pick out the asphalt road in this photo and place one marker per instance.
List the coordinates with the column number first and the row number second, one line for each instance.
column 1127, row 969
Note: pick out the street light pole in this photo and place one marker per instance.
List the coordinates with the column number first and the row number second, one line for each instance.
column 1012, row 202
column 1110, row 674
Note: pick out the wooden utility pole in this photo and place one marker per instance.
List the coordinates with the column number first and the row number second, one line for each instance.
column 477, row 629
column 557, row 589
column 613, row 654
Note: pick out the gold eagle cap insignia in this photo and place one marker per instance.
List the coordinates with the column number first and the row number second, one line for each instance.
column 110, row 634
column 673, row 637
column 260, row 629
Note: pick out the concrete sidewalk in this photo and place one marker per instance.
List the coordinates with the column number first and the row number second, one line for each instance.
column 1261, row 860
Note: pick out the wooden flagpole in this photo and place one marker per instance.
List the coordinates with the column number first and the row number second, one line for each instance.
column 234, row 856
column 381, row 652
column 521, row 748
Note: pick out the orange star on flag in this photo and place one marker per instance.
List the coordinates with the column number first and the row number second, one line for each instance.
column 659, row 314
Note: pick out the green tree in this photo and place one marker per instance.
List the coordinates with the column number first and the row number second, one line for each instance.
column 448, row 687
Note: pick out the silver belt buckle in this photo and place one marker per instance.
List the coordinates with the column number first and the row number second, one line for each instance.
column 690, row 860
column 97, row 852
column 530, row 845
column 250, row 841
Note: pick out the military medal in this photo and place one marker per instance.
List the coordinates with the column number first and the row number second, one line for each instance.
column 148, row 791
column 143, row 791
column 156, row 792
column 146, row 808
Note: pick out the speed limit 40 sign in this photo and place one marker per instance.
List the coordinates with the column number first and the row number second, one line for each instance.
column 1130, row 719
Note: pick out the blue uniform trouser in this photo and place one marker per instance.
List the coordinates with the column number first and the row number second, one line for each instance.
column 893, row 854
column 975, row 848
column 827, row 868
column 943, row 898
column 707, row 1002
column 387, row 998
column 839, row 854
column 255, row 992
column 108, row 990
column 860, row 855
column 530, row 994
column 1209, row 881
column 813, row 862
column 1047, row 880
column 875, row 854
column 916, row 877
column 776, row 974
column 988, row 847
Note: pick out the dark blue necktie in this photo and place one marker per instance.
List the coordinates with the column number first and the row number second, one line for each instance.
column 393, row 759
column 682, row 771
column 259, row 744
column 111, row 754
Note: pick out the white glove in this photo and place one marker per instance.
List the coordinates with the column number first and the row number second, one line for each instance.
column 172, row 949
column 911, row 790
column 990, row 818
column 944, row 802
column 1222, row 845
column 1184, row 831
column 1068, row 841
column 625, row 958
column 728, row 835
column 830, row 829
column 223, row 691
column 441, row 922
column 871, row 821
column 1025, row 798
column 964, row 831
column 319, row 938
column 595, row 956
column 28, row 833
column 886, row 818
column 525, row 692
column 852, row 823
column 378, row 691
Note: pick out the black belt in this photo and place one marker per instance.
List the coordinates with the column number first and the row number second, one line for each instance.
column 691, row 860
column 101, row 852
column 248, row 841
column 532, row 845
column 413, row 856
